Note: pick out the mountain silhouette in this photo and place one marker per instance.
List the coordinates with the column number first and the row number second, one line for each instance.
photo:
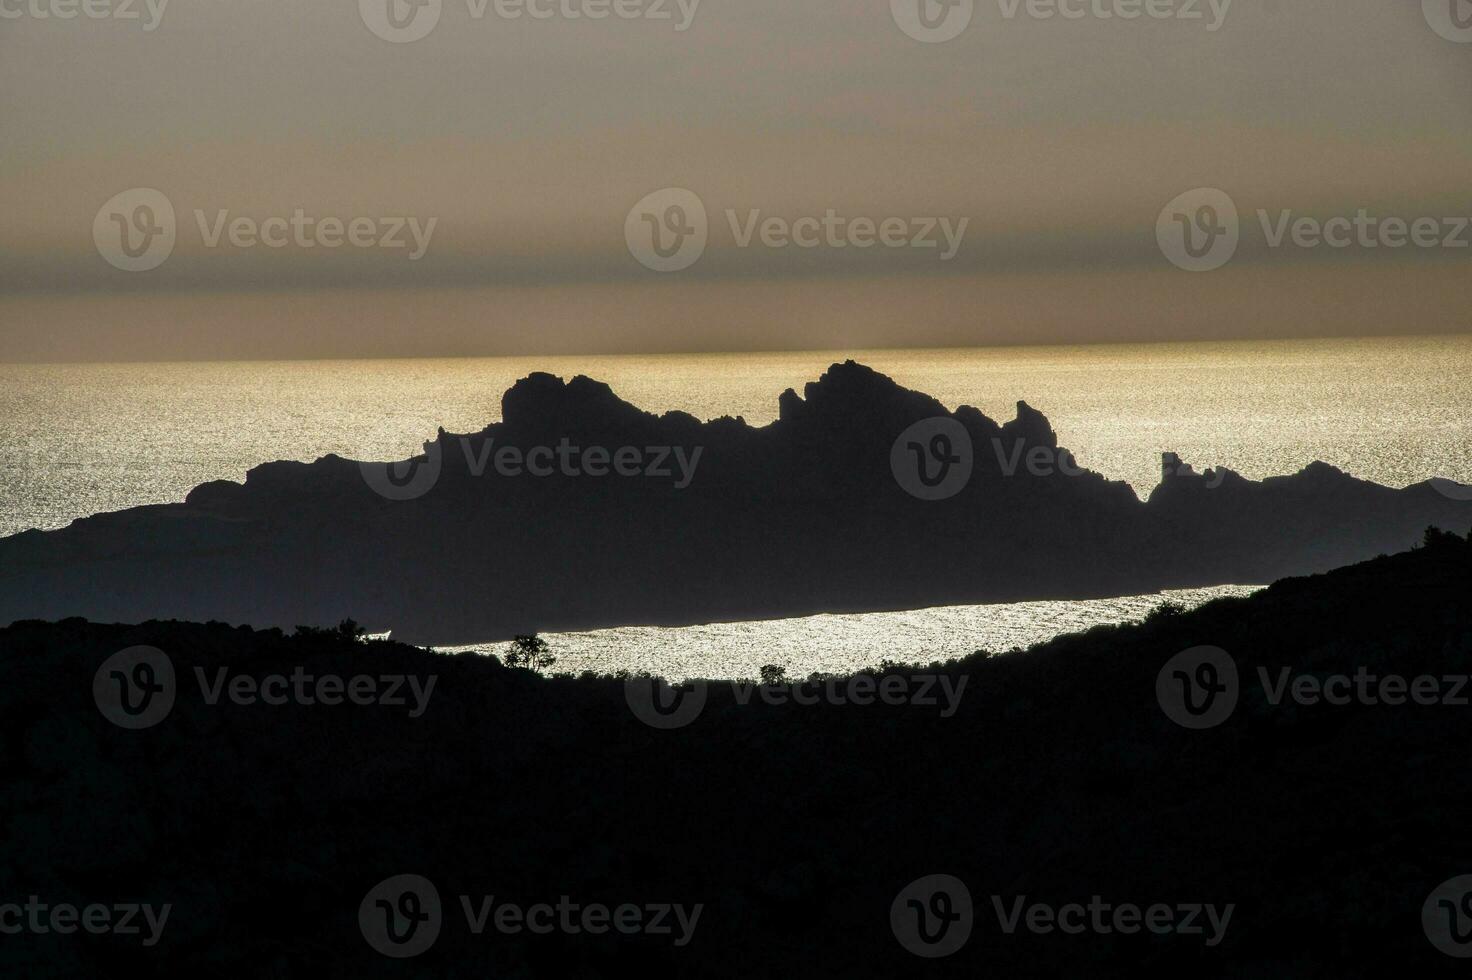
column 831, row 508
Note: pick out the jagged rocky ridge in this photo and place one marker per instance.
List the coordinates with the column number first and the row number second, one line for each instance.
column 801, row 516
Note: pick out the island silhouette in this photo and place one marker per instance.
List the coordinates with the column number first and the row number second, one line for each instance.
column 579, row 511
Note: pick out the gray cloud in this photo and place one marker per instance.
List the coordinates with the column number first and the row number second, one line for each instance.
column 530, row 140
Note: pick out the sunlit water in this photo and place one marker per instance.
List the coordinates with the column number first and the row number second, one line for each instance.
column 843, row 644
column 82, row 439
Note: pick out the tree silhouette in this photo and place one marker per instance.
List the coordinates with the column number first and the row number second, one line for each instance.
column 530, row 653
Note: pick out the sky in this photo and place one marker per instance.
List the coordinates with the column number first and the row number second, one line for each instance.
column 829, row 175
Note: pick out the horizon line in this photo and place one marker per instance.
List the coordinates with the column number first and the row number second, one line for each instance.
column 776, row 351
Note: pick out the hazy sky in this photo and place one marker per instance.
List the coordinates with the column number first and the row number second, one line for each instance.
column 528, row 141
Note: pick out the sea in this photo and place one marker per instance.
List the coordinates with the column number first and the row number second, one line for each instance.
column 80, row 439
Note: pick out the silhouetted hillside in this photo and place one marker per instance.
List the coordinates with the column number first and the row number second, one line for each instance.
column 1057, row 774
column 862, row 496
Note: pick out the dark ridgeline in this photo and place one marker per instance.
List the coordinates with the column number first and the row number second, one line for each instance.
column 1059, row 778
column 798, row 517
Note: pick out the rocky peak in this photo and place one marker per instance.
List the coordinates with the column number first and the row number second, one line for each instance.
column 1032, row 427
column 542, row 400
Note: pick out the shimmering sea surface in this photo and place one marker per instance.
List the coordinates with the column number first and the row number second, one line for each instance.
column 81, row 439
column 844, row 644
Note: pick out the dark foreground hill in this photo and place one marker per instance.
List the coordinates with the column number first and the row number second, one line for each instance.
column 1260, row 840
column 580, row 511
